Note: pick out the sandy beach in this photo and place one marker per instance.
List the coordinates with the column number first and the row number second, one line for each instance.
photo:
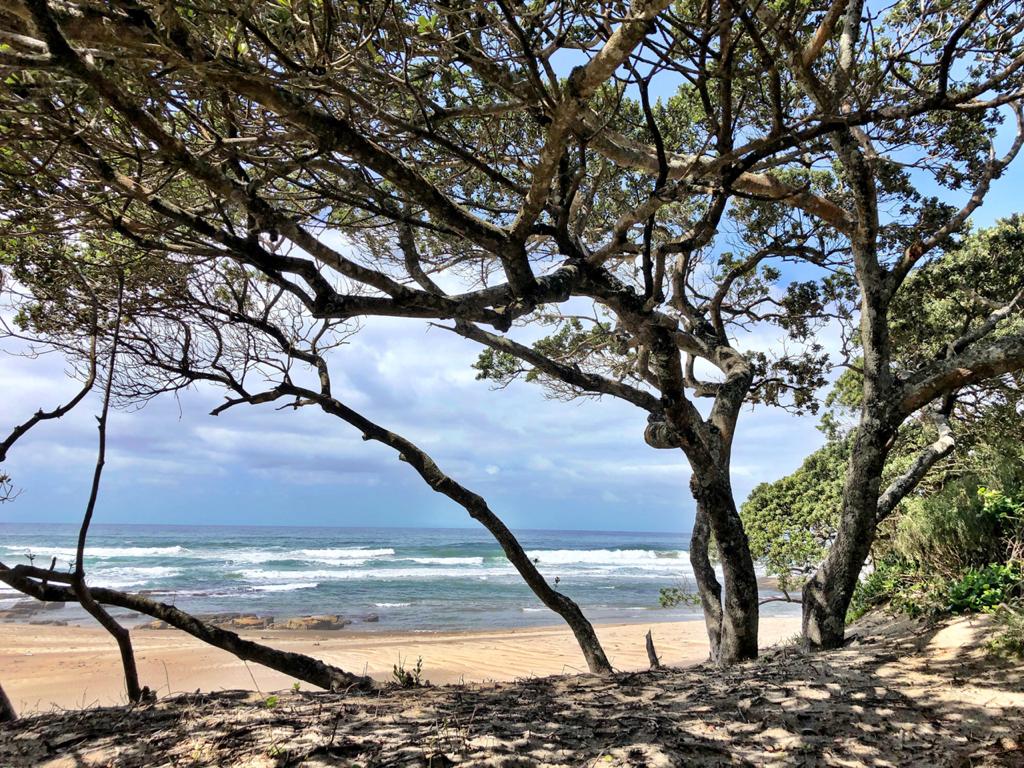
column 49, row 666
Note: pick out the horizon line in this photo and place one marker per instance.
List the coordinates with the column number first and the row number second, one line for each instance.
column 94, row 526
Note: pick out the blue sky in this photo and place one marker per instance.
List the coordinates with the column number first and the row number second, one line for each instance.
column 540, row 463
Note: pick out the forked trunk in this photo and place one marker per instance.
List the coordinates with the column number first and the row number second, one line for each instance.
column 708, row 588
column 121, row 635
column 739, row 609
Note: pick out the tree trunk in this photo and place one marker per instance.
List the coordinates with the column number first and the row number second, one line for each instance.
column 7, row 713
column 708, row 588
column 740, row 607
column 561, row 604
column 652, row 655
column 119, row 633
column 478, row 509
column 826, row 597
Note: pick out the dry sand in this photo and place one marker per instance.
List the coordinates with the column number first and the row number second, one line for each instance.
column 46, row 666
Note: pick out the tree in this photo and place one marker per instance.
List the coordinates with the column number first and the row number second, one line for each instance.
column 475, row 178
column 795, row 520
column 74, row 290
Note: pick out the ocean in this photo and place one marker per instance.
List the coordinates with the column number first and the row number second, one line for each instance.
column 409, row 579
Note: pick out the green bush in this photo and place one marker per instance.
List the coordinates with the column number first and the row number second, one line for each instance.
column 791, row 522
column 408, row 678
column 671, row 597
column 905, row 589
column 899, row 586
column 960, row 526
column 980, row 590
column 1008, row 638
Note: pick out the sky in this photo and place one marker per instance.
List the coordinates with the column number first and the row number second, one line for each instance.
column 580, row 465
column 540, row 463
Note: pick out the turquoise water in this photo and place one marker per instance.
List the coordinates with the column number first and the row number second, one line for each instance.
column 412, row 579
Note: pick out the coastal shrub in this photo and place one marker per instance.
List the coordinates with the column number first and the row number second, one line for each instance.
column 889, row 583
column 791, row 522
column 1008, row 637
column 962, row 526
column 980, row 590
column 906, row 589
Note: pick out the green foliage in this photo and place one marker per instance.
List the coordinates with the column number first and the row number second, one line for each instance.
column 954, row 551
column 1008, row 638
column 980, row 590
column 271, row 701
column 949, row 531
column 889, row 583
column 943, row 297
column 790, row 523
column 908, row 590
column 408, row 678
column 593, row 345
column 671, row 597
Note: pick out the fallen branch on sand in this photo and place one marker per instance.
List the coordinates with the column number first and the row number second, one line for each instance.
column 36, row 583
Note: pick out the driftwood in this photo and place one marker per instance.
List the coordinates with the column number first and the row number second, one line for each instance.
column 313, row 671
column 652, row 656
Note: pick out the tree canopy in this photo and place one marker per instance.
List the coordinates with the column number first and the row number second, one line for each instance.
column 691, row 173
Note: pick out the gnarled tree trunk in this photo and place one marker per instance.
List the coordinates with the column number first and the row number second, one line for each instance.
column 708, row 588
column 826, row 597
column 7, row 713
column 739, row 607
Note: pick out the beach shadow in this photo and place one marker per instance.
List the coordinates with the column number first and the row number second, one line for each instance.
column 904, row 697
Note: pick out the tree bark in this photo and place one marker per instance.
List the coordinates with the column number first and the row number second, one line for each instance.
column 652, row 655
column 297, row 665
column 124, row 641
column 708, row 587
column 827, row 595
column 740, row 607
column 7, row 713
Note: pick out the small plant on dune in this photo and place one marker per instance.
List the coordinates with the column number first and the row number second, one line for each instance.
column 408, row 678
column 271, row 701
column 296, row 686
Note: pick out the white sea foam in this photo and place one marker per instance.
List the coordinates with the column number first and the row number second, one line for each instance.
column 68, row 553
column 446, row 560
column 375, row 573
column 391, row 605
column 343, row 562
column 346, row 553
column 285, row 587
column 117, row 578
column 610, row 557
